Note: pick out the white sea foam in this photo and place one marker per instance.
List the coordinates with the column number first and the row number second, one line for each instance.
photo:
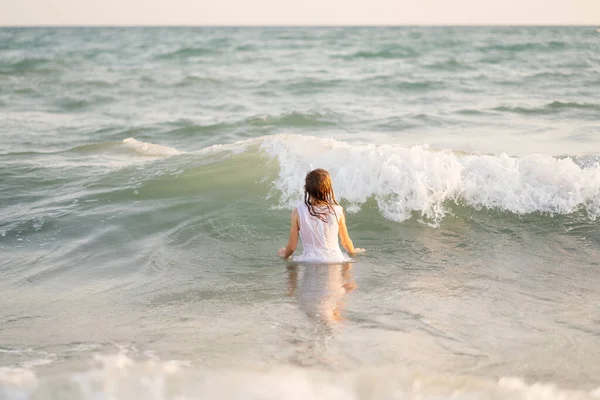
column 157, row 150
column 120, row 377
column 150, row 149
column 404, row 180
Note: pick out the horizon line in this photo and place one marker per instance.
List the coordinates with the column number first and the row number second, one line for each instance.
column 416, row 25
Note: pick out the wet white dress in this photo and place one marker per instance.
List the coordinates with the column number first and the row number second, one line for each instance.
column 320, row 238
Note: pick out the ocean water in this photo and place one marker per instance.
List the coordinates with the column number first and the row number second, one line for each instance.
column 147, row 177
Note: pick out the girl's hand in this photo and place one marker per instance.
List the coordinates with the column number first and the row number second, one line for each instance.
column 358, row 250
column 281, row 252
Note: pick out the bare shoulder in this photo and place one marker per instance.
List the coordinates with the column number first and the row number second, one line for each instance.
column 295, row 215
column 339, row 210
column 295, row 219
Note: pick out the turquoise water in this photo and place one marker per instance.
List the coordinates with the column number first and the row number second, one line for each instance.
column 147, row 177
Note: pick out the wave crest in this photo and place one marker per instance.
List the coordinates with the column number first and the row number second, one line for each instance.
column 551, row 108
column 150, row 149
column 395, row 52
column 405, row 180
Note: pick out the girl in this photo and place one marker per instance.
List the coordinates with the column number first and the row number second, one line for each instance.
column 319, row 221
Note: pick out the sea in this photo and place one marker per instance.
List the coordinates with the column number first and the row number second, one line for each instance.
column 147, row 176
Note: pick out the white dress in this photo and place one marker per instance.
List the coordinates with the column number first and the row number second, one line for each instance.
column 320, row 238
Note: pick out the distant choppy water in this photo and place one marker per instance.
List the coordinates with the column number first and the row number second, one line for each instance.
column 146, row 179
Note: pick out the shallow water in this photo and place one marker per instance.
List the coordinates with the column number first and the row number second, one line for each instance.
column 146, row 181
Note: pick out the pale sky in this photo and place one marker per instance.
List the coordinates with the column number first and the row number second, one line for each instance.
column 299, row 12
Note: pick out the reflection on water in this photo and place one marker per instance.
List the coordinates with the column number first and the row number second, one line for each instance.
column 321, row 289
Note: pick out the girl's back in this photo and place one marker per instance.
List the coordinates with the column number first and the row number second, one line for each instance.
column 320, row 237
column 318, row 222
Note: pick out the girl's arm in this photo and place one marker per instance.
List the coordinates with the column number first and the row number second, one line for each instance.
column 287, row 251
column 345, row 238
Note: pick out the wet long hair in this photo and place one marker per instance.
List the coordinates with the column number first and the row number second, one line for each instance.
column 318, row 191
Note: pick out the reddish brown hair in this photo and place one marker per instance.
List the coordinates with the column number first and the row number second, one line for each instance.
column 318, row 191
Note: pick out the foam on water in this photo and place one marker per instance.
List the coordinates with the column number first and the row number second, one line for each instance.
column 120, row 377
column 150, row 149
column 404, row 180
